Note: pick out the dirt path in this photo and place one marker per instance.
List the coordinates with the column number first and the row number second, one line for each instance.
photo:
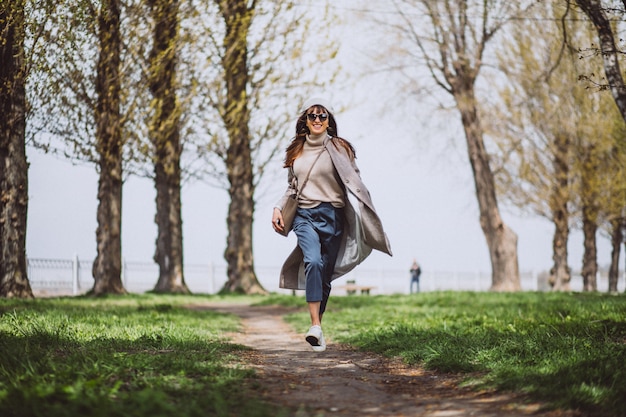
column 343, row 382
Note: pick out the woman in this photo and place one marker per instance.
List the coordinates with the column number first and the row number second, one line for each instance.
column 334, row 235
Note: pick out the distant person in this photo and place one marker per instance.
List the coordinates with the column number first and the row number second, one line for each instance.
column 416, row 271
column 329, row 245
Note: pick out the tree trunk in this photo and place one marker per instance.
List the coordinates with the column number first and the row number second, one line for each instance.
column 595, row 11
column 617, row 237
column 107, row 266
column 501, row 240
column 238, row 253
column 560, row 274
column 13, row 165
column 589, row 201
column 165, row 137
column 590, row 263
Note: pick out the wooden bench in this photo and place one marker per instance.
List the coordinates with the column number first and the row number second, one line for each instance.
column 351, row 288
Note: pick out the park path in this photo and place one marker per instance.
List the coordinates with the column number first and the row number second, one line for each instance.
column 343, row 382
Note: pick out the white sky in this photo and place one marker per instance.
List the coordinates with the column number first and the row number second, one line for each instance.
column 419, row 178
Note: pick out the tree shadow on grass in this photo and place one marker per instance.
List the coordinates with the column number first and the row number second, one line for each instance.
column 592, row 380
column 59, row 372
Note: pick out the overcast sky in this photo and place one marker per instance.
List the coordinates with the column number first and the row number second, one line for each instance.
column 419, row 178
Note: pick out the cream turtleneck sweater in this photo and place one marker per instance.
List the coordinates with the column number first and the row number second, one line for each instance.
column 324, row 185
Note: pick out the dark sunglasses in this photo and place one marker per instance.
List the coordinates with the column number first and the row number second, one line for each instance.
column 313, row 116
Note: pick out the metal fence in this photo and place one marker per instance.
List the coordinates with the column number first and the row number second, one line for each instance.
column 54, row 277
column 51, row 277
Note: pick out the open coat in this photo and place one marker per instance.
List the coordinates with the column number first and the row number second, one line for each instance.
column 363, row 230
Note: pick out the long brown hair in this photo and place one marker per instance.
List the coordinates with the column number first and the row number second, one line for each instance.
column 295, row 147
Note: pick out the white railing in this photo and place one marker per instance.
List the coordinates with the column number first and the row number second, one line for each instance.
column 50, row 277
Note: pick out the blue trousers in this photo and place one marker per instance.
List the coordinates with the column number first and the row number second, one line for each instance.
column 415, row 280
column 319, row 231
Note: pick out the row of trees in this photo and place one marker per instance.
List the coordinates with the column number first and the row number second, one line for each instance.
column 558, row 145
column 162, row 88
column 566, row 153
column 172, row 89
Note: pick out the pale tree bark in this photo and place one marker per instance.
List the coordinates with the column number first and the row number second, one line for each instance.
column 107, row 266
column 237, row 16
column 596, row 13
column 13, row 165
column 560, row 274
column 164, row 132
column 458, row 32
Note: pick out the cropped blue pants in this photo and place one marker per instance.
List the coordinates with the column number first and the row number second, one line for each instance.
column 319, row 231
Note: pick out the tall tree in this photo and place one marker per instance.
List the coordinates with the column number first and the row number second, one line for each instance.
column 164, row 133
column 107, row 266
column 599, row 170
column 76, row 95
column 254, row 72
column 590, row 215
column 451, row 40
column 557, row 131
column 618, row 237
column 534, row 120
column 13, row 165
column 600, row 188
column 241, row 276
column 560, row 273
column 598, row 12
column 615, row 196
column 611, row 185
column 616, row 217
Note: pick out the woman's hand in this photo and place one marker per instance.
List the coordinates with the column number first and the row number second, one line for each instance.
column 277, row 221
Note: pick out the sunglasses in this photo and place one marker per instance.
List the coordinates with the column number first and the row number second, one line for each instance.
column 313, row 116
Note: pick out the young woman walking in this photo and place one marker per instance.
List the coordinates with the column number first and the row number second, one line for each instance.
column 335, row 223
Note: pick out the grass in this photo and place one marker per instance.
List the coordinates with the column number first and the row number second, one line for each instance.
column 567, row 350
column 144, row 355
column 151, row 355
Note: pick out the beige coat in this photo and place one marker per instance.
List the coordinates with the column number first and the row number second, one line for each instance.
column 363, row 230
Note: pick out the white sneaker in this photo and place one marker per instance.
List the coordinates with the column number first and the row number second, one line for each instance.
column 315, row 337
column 322, row 346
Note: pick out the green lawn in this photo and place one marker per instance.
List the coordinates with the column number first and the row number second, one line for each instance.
column 152, row 356
column 568, row 350
column 120, row 356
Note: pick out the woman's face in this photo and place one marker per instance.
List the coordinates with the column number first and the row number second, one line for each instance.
column 317, row 120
